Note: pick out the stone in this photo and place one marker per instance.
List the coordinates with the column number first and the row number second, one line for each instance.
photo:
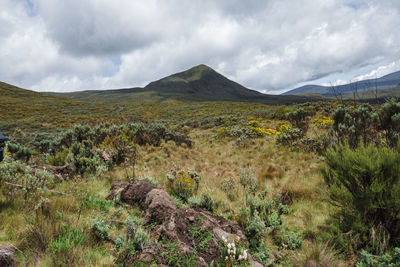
column 7, row 256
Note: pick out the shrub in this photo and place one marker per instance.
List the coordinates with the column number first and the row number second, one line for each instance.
column 140, row 239
column 369, row 260
column 287, row 136
column 353, row 125
column 365, row 184
column 255, row 228
column 24, row 178
column 19, row 152
column 183, row 183
column 59, row 159
column 299, row 118
column 389, row 118
column 100, row 229
column 249, row 183
column 289, row 239
column 228, row 186
column 205, row 201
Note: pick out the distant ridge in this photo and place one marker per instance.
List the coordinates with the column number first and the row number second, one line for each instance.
column 200, row 83
column 388, row 81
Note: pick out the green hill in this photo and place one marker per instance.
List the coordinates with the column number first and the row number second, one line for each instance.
column 200, row 83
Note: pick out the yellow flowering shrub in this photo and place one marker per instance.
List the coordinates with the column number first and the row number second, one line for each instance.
column 323, row 122
column 283, row 129
column 255, row 127
column 183, row 184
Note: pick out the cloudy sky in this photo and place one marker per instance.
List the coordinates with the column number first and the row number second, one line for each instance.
column 267, row 45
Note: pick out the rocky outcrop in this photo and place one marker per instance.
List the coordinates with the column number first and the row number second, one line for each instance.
column 7, row 256
column 193, row 229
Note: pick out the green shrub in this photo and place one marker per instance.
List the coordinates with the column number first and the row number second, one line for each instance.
column 289, row 239
column 288, row 136
column 59, row 159
column 300, row 118
column 365, row 185
column 228, row 186
column 355, row 125
column 24, row 179
column 389, row 118
column 140, row 239
column 68, row 238
column 205, row 201
column 385, row 260
column 255, row 228
column 19, row 152
column 100, row 229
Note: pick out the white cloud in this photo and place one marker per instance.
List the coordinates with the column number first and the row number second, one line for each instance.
column 266, row 45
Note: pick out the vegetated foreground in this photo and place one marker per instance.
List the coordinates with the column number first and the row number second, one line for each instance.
column 202, row 184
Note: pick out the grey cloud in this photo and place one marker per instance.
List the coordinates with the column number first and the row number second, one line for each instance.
column 265, row 45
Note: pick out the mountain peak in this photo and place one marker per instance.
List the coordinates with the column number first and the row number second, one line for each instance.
column 193, row 74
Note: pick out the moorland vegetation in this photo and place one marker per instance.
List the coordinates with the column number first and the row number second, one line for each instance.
column 314, row 184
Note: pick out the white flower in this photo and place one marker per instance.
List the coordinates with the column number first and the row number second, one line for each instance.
column 229, row 245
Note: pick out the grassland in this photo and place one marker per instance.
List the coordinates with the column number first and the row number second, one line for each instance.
column 33, row 226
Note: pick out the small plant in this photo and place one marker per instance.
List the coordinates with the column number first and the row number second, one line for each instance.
column 100, row 229
column 68, row 239
column 205, row 201
column 369, row 260
column 289, row 239
column 183, row 183
column 249, row 182
column 232, row 255
column 228, row 186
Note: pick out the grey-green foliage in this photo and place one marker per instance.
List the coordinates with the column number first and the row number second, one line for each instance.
column 300, row 119
column 389, row 117
column 228, row 186
column 84, row 158
column 26, row 179
column 291, row 240
column 18, row 151
column 355, row 124
column 100, row 229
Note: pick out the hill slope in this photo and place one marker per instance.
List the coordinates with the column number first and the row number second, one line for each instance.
column 21, row 108
column 388, row 81
column 200, row 83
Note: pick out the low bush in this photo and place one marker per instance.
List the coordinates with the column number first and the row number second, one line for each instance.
column 100, row 229
column 205, row 201
column 369, row 260
column 183, row 183
column 16, row 176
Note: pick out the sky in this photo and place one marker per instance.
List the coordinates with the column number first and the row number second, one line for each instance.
column 266, row 45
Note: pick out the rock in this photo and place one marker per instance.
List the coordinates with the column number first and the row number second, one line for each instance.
column 160, row 206
column 136, row 193
column 7, row 256
column 175, row 224
column 116, row 188
column 147, row 255
column 222, row 235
